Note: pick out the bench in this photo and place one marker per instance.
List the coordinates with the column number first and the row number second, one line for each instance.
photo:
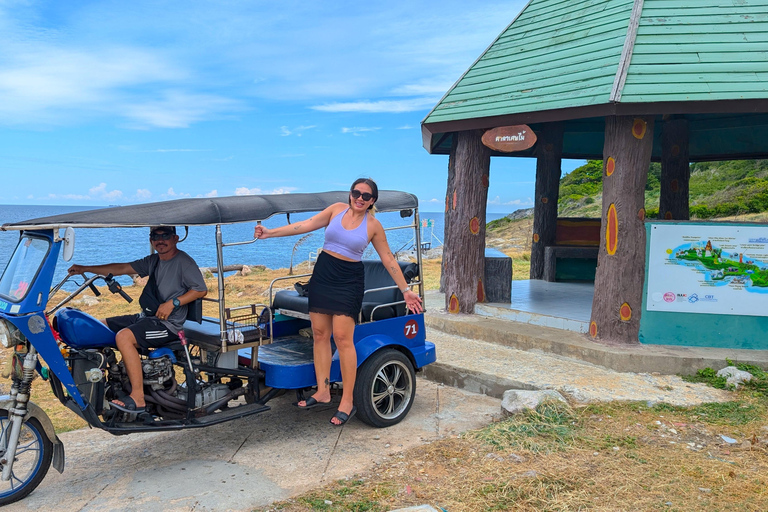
column 379, row 302
column 573, row 257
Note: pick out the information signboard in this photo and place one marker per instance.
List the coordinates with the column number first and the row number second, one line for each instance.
column 708, row 268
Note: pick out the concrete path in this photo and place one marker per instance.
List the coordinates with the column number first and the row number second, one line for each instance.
column 245, row 463
column 255, row 461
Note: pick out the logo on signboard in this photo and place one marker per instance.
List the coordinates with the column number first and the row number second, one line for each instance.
column 669, row 297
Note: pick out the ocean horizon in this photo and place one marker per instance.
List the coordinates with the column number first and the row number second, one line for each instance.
column 109, row 245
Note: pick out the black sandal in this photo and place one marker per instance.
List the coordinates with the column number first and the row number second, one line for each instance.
column 311, row 402
column 343, row 417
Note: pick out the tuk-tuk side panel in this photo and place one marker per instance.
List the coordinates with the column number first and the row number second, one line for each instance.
column 36, row 329
column 288, row 363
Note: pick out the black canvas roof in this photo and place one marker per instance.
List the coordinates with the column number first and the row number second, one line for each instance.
column 209, row 211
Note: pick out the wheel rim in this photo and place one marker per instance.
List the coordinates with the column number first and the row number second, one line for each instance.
column 392, row 389
column 29, row 456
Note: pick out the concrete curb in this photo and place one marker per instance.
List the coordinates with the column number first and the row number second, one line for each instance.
column 664, row 359
column 472, row 381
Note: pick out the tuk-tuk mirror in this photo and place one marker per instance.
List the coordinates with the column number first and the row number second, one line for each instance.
column 69, row 243
column 406, row 213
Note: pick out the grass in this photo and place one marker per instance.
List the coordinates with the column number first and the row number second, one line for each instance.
column 610, row 456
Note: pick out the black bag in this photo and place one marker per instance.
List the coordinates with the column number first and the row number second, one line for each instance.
column 149, row 300
column 302, row 289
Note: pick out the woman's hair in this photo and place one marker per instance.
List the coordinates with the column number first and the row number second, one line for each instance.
column 374, row 190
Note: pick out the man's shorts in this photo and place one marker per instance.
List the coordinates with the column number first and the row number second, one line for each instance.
column 148, row 330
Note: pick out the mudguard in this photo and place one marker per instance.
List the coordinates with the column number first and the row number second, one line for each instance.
column 34, row 411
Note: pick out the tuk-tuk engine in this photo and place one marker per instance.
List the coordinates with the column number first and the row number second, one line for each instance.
column 157, row 371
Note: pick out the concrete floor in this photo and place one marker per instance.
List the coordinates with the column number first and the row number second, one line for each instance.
column 565, row 306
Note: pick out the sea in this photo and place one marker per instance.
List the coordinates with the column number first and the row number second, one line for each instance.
column 110, row 245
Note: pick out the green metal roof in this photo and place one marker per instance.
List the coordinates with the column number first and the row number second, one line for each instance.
column 561, row 60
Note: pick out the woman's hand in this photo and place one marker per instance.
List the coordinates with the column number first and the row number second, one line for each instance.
column 260, row 232
column 413, row 301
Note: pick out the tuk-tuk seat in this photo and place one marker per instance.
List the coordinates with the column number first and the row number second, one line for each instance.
column 289, row 302
column 207, row 334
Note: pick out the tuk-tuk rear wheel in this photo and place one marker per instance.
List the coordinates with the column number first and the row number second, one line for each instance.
column 385, row 388
column 33, row 459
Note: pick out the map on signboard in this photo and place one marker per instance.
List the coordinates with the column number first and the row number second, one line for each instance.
column 716, row 269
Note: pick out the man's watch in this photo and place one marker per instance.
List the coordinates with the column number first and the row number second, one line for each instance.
column 176, row 303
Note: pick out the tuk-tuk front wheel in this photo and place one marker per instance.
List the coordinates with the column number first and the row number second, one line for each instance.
column 33, row 459
column 385, row 387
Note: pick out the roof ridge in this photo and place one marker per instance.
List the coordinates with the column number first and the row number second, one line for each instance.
column 626, row 52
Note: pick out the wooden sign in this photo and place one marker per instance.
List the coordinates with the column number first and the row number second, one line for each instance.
column 509, row 139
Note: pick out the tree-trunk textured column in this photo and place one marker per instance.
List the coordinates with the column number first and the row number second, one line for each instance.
column 463, row 252
column 449, row 202
column 621, row 260
column 675, row 171
column 549, row 151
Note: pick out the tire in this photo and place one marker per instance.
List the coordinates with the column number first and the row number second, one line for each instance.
column 385, row 388
column 33, row 459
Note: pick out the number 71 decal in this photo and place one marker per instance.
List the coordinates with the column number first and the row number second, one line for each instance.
column 411, row 329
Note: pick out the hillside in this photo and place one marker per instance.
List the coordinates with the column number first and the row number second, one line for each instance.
column 717, row 189
column 733, row 190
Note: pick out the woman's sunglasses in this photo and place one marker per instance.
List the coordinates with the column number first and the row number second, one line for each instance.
column 365, row 195
column 160, row 236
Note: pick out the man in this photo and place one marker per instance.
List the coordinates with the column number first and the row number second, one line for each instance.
column 175, row 281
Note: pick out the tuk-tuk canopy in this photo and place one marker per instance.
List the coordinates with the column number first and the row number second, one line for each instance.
column 209, row 211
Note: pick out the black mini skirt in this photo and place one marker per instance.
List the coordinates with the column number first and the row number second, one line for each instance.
column 336, row 286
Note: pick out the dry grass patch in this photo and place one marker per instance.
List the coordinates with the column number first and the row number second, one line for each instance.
column 623, row 456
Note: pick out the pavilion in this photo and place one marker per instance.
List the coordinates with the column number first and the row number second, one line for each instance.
column 625, row 81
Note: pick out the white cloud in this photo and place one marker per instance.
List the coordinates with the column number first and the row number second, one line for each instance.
column 212, row 193
column 381, row 106
column 143, row 193
column 359, row 130
column 100, row 192
column 77, row 197
column 172, row 194
column 435, row 200
column 245, row 191
column 285, row 131
column 515, row 202
column 405, row 127
column 179, row 109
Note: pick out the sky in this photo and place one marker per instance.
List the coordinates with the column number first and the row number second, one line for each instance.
column 110, row 102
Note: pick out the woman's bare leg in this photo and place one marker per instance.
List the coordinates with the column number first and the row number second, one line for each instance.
column 322, row 327
column 344, row 336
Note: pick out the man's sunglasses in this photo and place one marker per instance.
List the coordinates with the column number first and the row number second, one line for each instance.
column 160, row 236
column 365, row 195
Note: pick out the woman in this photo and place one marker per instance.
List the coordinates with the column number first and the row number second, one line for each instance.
column 337, row 285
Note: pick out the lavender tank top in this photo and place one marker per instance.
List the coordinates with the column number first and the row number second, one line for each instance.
column 350, row 243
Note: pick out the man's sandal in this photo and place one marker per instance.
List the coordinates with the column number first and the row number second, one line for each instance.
column 129, row 406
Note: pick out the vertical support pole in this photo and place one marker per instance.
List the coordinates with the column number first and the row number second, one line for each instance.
column 617, row 302
column 549, row 152
column 464, row 250
column 450, row 203
column 675, row 170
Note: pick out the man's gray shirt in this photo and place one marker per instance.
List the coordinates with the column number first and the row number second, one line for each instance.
column 174, row 278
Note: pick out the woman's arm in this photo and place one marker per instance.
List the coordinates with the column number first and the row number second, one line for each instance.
column 318, row 221
column 379, row 241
